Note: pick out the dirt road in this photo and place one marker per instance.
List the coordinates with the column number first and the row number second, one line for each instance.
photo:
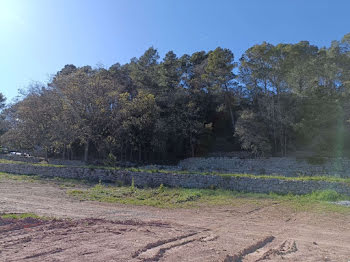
column 93, row 231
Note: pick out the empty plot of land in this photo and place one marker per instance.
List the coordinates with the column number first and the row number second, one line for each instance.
column 94, row 231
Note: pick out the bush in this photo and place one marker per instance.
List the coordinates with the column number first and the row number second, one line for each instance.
column 326, row 195
column 253, row 134
column 111, row 160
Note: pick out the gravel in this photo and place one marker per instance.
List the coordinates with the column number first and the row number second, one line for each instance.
column 343, row 203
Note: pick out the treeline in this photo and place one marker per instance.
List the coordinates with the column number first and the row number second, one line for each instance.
column 274, row 100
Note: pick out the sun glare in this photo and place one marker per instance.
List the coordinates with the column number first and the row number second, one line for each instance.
column 9, row 15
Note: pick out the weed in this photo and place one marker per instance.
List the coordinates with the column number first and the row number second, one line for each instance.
column 161, row 188
column 132, row 187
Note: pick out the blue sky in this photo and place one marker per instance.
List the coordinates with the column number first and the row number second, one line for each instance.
column 38, row 37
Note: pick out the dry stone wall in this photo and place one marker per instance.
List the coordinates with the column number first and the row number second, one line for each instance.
column 142, row 179
column 273, row 165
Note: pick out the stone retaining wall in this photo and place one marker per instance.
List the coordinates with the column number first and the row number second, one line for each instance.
column 286, row 166
column 142, row 179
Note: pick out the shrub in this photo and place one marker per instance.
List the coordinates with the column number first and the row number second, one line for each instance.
column 111, row 160
column 161, row 188
column 326, row 195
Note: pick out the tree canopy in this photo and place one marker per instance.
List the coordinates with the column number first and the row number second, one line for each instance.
column 274, row 100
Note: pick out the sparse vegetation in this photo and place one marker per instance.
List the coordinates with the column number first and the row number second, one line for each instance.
column 62, row 182
column 28, row 178
column 180, row 197
column 164, row 197
column 22, row 216
column 301, row 177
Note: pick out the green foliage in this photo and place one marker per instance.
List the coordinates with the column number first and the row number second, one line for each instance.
column 283, row 97
column 111, row 160
column 253, row 134
column 326, row 195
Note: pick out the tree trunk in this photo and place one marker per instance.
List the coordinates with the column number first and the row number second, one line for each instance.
column 64, row 152
column 228, row 104
column 46, row 155
column 70, row 153
column 192, row 146
column 279, row 118
column 131, row 152
column 140, row 153
column 86, row 152
column 121, row 153
column 285, row 143
column 232, row 117
column 274, row 126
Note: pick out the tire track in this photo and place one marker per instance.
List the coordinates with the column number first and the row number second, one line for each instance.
column 248, row 250
column 155, row 251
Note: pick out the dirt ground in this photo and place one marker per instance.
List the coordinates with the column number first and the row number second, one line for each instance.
column 93, row 231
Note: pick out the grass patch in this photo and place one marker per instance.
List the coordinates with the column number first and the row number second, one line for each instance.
column 157, row 197
column 5, row 161
column 27, row 178
column 164, row 197
column 62, row 182
column 22, row 216
column 326, row 195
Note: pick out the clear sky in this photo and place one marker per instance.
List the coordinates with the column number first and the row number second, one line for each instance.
column 38, row 37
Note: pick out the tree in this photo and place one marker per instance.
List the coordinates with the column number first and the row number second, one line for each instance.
column 264, row 71
column 32, row 120
column 144, row 71
column 2, row 116
column 138, row 118
column 253, row 133
column 87, row 98
column 219, row 73
column 284, row 97
column 2, row 101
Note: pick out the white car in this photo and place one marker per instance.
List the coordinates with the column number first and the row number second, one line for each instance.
column 16, row 153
